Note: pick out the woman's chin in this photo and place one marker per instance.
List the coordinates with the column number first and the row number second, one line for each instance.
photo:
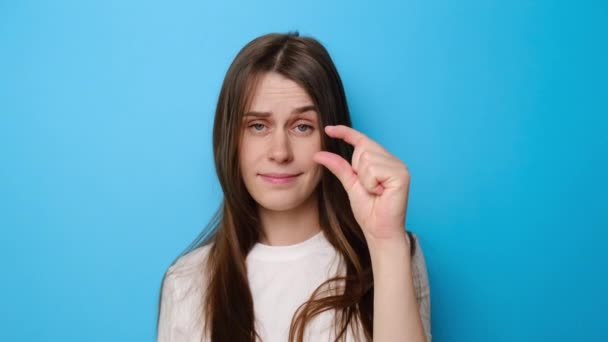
column 278, row 205
column 279, row 202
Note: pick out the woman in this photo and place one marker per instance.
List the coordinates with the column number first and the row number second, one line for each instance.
column 306, row 246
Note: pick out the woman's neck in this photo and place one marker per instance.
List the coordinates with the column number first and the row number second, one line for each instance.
column 282, row 228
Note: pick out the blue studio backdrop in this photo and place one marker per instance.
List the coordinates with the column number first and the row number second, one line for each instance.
column 498, row 108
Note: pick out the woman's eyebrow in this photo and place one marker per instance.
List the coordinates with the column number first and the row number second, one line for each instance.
column 298, row 110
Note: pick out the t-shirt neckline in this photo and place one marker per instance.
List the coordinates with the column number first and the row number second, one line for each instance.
column 261, row 251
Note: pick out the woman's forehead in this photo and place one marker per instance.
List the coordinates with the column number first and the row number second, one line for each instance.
column 274, row 91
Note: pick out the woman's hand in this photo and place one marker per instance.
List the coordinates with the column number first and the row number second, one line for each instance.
column 377, row 184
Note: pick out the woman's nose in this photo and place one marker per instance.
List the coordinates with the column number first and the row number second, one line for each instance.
column 280, row 149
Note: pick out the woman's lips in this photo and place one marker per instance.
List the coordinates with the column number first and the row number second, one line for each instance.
column 279, row 178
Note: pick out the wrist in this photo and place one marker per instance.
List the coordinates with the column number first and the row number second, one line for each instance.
column 393, row 248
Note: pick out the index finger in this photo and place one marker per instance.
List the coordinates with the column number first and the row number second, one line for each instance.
column 348, row 134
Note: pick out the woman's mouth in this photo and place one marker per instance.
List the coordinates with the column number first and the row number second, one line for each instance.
column 279, row 178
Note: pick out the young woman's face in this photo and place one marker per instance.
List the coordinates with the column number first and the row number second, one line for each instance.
column 280, row 135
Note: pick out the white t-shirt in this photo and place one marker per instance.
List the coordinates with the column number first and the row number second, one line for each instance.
column 280, row 278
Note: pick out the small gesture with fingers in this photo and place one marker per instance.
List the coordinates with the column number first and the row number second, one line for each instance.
column 377, row 183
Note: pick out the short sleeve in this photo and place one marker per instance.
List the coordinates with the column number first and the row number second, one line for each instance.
column 181, row 304
column 422, row 288
column 167, row 315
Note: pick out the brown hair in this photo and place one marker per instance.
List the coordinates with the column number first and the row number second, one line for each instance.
column 228, row 305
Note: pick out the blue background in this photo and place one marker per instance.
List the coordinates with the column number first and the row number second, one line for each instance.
column 498, row 109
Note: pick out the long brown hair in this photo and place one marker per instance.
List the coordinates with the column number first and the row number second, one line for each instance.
column 228, row 310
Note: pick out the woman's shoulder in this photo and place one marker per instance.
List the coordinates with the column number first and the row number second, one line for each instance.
column 418, row 261
column 192, row 260
column 422, row 287
column 182, row 295
column 188, row 271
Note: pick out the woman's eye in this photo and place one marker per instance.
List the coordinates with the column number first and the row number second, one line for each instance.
column 257, row 126
column 304, row 128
